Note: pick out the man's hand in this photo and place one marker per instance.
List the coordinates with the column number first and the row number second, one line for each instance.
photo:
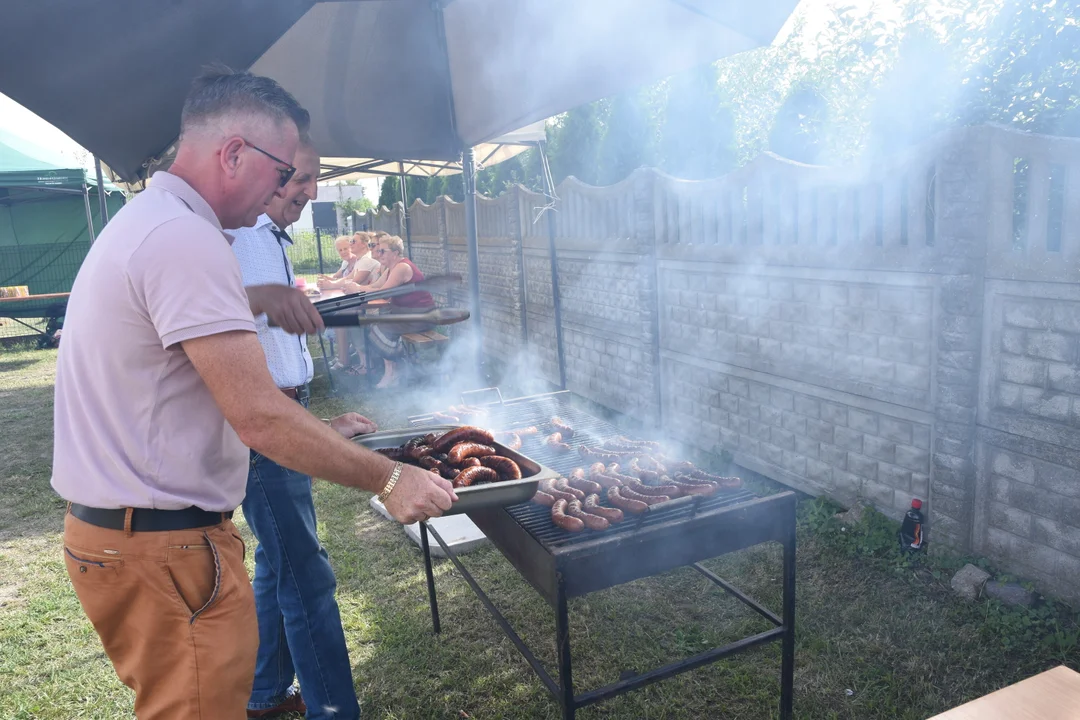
column 352, row 424
column 325, row 282
column 286, row 307
column 419, row 495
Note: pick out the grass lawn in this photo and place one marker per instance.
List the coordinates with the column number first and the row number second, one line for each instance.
column 878, row 637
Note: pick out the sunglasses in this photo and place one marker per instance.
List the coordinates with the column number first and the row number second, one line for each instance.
column 286, row 172
column 372, row 245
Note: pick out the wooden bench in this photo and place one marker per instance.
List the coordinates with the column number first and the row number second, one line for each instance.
column 425, row 338
column 423, row 351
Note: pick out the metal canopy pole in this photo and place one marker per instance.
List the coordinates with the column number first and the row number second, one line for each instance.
column 101, row 192
column 556, row 301
column 89, row 216
column 405, row 210
column 472, row 245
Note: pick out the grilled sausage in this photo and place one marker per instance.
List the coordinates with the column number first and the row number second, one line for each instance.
column 588, row 487
column 592, row 505
column 635, row 507
column 623, row 479
column 554, row 441
column 525, row 432
column 598, row 455
column 430, row 463
column 681, row 467
column 394, row 453
column 704, row 488
column 472, row 475
column 593, row 522
column 641, row 488
column 649, row 462
column 458, row 453
column 597, row 467
column 566, row 522
column 548, row 486
column 630, row 442
column 416, row 449
column 465, row 434
column 510, row 439
column 444, row 418
column 507, row 468
column 577, row 473
column 647, row 499
column 542, row 498
column 645, row 475
column 469, row 462
column 564, row 485
column 560, row 426
column 605, row 481
column 729, row 483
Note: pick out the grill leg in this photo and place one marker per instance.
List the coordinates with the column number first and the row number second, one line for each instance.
column 432, row 600
column 562, row 641
column 326, row 362
column 787, row 643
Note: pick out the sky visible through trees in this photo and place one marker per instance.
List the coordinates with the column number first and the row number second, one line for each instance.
column 849, row 83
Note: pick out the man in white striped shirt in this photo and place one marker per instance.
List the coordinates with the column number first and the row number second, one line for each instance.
column 300, row 633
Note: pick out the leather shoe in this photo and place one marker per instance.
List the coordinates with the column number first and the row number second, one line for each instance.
column 292, row 704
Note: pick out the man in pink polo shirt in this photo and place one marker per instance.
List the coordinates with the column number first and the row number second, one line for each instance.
column 160, row 385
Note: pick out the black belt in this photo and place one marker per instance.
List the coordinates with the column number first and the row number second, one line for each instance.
column 147, row 520
column 300, row 393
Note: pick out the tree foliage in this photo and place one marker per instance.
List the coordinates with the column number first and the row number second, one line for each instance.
column 860, row 82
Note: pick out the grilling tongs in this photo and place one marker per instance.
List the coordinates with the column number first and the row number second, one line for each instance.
column 435, row 283
column 441, row 316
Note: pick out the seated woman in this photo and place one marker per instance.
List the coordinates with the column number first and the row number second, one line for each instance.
column 385, row 338
column 345, row 246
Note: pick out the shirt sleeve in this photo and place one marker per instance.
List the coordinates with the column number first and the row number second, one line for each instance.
column 189, row 281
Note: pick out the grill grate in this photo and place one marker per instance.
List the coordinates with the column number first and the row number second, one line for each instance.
column 588, row 430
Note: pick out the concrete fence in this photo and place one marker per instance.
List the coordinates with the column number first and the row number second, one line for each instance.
column 910, row 329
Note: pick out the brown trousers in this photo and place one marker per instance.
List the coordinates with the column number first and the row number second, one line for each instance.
column 175, row 612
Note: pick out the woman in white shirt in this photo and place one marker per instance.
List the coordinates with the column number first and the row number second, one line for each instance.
column 346, row 250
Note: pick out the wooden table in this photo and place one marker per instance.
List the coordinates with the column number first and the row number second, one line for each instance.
column 1052, row 695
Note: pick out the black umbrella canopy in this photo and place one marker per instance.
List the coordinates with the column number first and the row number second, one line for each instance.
column 393, row 79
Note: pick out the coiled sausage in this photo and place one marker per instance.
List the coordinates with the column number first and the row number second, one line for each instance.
column 507, row 468
column 463, row 450
column 472, row 475
column 465, row 434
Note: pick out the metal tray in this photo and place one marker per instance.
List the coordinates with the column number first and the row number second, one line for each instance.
column 500, row 494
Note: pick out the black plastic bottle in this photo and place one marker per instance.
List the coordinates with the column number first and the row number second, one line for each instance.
column 911, row 530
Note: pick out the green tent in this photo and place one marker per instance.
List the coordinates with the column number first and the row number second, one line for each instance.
column 48, row 217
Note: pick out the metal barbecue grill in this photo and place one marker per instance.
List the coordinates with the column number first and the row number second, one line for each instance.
column 561, row 564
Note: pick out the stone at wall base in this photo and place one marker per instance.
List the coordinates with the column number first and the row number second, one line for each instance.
column 1010, row 594
column 853, row 515
column 968, row 582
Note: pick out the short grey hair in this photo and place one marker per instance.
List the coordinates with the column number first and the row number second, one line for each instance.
column 394, row 244
column 219, row 91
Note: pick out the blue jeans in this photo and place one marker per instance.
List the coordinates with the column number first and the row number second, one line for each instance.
column 300, row 631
